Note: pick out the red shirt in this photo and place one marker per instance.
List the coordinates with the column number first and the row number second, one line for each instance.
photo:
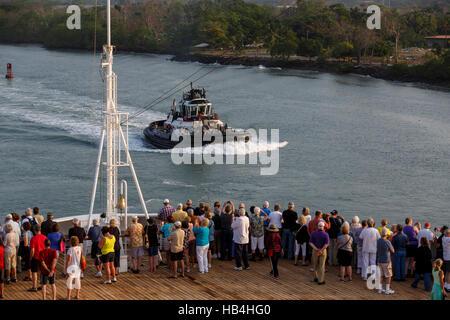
column 2, row 266
column 37, row 242
column 313, row 225
column 47, row 256
column 273, row 241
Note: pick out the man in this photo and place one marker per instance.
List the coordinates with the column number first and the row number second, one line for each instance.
column 78, row 232
column 384, row 223
column 217, row 232
column 384, row 250
column 180, row 215
column 136, row 234
column 265, row 209
column 226, row 219
column 319, row 241
column 276, row 216
column 312, row 225
column 369, row 238
column 446, row 255
column 176, row 249
column 399, row 242
column 47, row 225
column 200, row 210
column 257, row 232
column 29, row 217
column 335, row 227
column 37, row 216
column 16, row 229
column 165, row 211
column 359, row 258
column 189, row 205
column 95, row 235
column 426, row 233
column 36, row 246
column 240, row 238
column 48, row 259
column 288, row 234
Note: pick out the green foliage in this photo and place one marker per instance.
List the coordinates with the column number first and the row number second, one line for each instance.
column 341, row 50
column 284, row 43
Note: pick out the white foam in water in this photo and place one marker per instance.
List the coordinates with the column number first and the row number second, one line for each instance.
column 58, row 109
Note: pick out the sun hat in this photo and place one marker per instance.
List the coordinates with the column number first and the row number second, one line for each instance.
column 273, row 228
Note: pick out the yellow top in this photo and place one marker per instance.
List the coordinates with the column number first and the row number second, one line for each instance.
column 389, row 232
column 180, row 215
column 108, row 246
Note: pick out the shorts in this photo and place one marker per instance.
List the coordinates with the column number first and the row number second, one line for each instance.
column 385, row 269
column 256, row 242
column 165, row 244
column 176, row 256
column 137, row 252
column 192, row 248
column 117, row 258
column 35, row 265
column 211, row 245
column 411, row 250
column 10, row 260
column 95, row 251
column 45, row 277
column 109, row 257
column 446, row 266
column 152, row 251
column 344, row 258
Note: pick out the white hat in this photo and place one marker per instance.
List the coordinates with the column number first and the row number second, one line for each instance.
column 178, row 224
column 321, row 224
column 166, row 201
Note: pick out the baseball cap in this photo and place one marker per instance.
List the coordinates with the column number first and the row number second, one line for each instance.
column 427, row 225
column 321, row 224
column 334, row 212
column 178, row 224
column 166, row 201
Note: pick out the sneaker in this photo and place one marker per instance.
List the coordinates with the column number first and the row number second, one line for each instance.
column 277, row 277
column 364, row 278
column 247, row 268
column 381, row 291
column 82, row 276
column 114, row 279
column 311, row 269
column 188, row 270
column 200, row 272
column 28, row 279
column 206, row 270
column 107, row 282
column 13, row 280
column 390, row 291
column 237, row 269
column 214, row 256
column 209, row 265
column 98, row 274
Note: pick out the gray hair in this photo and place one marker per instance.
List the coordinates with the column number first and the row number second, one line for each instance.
column 190, row 211
column 8, row 228
column 76, row 221
column 134, row 219
column 266, row 204
column 257, row 210
column 355, row 219
column 180, row 206
column 370, row 222
column 241, row 211
column 291, row 204
column 95, row 222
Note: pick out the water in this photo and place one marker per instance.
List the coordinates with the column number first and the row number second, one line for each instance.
column 363, row 146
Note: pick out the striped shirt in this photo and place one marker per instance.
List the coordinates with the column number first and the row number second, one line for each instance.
column 165, row 212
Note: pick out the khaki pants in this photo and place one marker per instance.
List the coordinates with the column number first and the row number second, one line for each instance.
column 318, row 263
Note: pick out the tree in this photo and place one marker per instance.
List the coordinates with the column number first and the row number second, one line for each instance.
column 284, row 43
column 341, row 50
column 309, row 47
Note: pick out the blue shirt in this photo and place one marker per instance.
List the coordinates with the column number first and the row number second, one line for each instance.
column 268, row 212
column 201, row 236
column 384, row 248
column 319, row 238
column 166, row 229
column 399, row 241
column 55, row 238
column 95, row 232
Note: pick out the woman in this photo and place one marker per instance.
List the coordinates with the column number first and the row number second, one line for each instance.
column 187, row 235
column 345, row 252
column 305, row 213
column 27, row 235
column 202, row 243
column 301, row 221
column 106, row 245
column 211, row 235
column 113, row 230
column 151, row 232
column 166, row 229
column 274, row 249
column 191, row 246
column 438, row 292
column 423, row 264
column 55, row 238
column 10, row 253
column 353, row 227
column 73, row 267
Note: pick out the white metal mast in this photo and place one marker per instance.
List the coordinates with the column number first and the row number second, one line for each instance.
column 115, row 136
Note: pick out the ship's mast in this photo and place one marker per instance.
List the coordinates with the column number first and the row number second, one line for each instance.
column 116, row 138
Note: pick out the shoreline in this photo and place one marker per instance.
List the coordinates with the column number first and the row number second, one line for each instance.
column 375, row 71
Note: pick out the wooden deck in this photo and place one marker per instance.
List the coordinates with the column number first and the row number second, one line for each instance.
column 221, row 282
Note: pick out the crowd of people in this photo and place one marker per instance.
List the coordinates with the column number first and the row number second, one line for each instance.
column 186, row 236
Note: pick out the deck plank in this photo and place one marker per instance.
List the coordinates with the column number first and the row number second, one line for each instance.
column 221, row 282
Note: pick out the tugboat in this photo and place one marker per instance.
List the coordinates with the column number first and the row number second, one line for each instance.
column 193, row 116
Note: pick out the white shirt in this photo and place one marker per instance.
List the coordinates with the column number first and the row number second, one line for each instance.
column 425, row 233
column 16, row 230
column 369, row 237
column 308, row 219
column 240, row 230
column 446, row 248
column 275, row 218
